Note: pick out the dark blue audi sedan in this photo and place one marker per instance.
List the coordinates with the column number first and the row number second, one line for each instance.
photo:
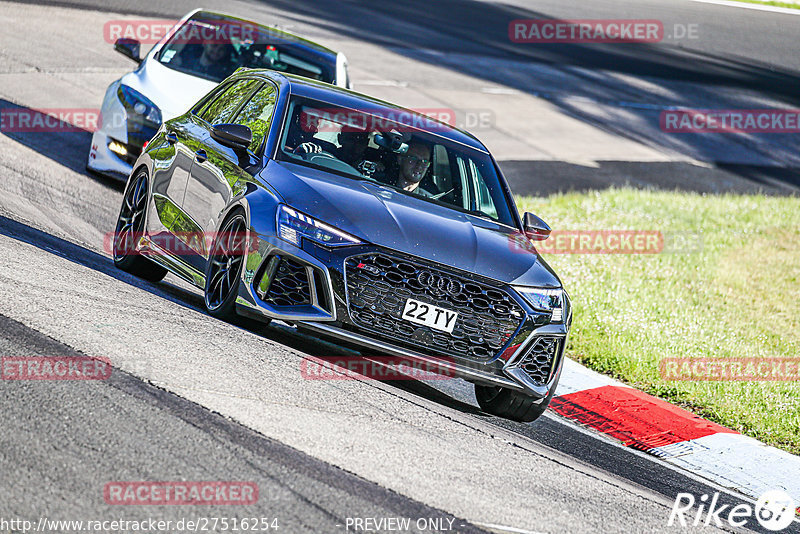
column 354, row 219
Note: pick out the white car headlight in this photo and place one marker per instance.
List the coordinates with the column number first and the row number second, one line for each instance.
column 138, row 106
column 547, row 300
column 293, row 225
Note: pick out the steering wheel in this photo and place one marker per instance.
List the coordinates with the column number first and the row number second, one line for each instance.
column 310, row 156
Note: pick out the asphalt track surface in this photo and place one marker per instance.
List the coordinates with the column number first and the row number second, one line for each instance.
column 125, row 429
column 195, row 399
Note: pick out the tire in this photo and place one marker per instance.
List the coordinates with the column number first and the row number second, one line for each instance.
column 224, row 268
column 130, row 224
column 512, row 404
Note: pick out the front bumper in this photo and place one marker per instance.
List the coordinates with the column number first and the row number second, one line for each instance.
column 103, row 161
column 320, row 301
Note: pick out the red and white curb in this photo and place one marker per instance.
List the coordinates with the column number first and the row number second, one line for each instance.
column 674, row 435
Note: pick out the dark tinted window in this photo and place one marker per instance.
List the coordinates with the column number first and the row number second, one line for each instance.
column 397, row 149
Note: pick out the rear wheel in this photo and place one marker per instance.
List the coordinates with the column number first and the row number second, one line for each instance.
column 225, row 268
column 130, row 227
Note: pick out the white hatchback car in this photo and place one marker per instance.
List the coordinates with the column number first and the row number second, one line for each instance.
column 201, row 50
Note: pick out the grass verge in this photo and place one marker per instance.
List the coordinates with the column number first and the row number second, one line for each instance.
column 789, row 5
column 734, row 292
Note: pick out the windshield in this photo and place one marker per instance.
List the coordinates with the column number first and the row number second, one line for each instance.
column 213, row 48
column 413, row 160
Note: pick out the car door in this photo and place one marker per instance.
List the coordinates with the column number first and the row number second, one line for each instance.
column 219, row 172
column 182, row 137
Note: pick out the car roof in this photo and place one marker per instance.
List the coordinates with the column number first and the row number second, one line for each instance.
column 347, row 98
column 277, row 35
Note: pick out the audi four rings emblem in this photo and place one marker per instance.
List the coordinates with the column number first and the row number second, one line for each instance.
column 439, row 283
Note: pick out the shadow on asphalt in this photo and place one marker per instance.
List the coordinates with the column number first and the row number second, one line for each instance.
column 67, row 148
column 486, row 25
column 279, row 333
column 608, row 75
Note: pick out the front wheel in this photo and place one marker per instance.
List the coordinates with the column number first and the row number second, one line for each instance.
column 511, row 404
column 225, row 268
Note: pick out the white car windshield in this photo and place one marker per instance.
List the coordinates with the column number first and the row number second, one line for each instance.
column 214, row 47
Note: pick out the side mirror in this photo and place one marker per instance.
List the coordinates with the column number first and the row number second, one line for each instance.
column 234, row 136
column 128, row 48
column 535, row 228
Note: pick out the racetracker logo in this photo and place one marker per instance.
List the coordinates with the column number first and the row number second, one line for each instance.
column 774, row 511
column 585, row 31
column 179, row 243
column 383, row 368
column 731, row 121
column 591, row 242
column 731, row 369
column 365, row 120
column 24, row 120
column 55, row 368
column 180, row 493
column 196, row 31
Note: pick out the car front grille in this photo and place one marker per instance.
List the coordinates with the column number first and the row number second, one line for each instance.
column 289, row 286
column 538, row 360
column 378, row 286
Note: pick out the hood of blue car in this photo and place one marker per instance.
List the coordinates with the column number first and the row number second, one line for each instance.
column 385, row 217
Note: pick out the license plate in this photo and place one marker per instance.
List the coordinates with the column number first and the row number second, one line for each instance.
column 430, row 315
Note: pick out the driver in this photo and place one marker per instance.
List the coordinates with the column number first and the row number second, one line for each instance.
column 413, row 166
column 217, row 60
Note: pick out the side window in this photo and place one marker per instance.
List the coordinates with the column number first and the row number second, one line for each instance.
column 466, row 190
column 484, row 197
column 257, row 114
column 221, row 110
column 207, row 100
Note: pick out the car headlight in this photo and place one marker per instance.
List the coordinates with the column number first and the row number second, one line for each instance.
column 139, row 106
column 547, row 300
column 294, row 225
